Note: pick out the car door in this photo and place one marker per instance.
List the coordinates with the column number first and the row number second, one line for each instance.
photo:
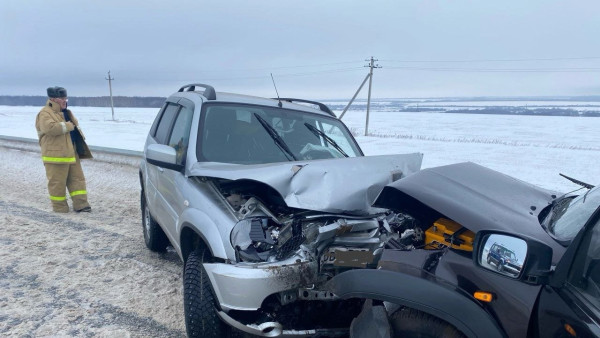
column 173, row 182
column 157, row 202
column 573, row 308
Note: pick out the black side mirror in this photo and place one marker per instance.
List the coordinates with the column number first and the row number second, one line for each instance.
column 513, row 256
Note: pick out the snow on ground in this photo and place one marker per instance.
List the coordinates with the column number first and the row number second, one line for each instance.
column 81, row 275
column 531, row 148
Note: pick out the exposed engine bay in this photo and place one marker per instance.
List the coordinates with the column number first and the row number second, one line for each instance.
column 270, row 233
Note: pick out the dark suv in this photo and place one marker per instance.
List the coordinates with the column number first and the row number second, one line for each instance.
column 552, row 241
column 505, row 259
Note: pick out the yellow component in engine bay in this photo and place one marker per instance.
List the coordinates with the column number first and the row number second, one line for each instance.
column 447, row 233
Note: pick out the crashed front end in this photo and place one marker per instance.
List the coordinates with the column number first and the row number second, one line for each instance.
column 292, row 237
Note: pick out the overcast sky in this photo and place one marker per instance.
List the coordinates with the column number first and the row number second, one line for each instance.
column 315, row 49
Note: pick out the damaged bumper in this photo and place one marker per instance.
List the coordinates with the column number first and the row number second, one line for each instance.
column 245, row 287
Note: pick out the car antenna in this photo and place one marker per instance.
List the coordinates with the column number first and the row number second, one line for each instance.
column 279, row 104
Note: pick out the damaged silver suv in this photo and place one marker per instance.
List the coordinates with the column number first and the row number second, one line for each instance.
column 264, row 200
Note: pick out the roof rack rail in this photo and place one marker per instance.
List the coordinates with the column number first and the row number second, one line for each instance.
column 209, row 91
column 322, row 106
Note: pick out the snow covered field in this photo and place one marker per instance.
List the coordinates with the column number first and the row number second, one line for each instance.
column 532, row 148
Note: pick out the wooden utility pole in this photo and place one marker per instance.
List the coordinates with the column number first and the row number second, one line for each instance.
column 371, row 65
column 112, row 106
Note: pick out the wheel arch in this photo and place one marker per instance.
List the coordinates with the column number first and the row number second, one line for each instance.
column 191, row 238
column 419, row 293
column 190, row 241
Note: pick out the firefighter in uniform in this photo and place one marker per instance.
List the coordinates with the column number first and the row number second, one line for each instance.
column 63, row 145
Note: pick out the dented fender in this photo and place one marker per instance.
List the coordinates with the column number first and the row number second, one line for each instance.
column 417, row 292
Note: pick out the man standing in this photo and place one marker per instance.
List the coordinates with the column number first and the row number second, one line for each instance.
column 63, row 144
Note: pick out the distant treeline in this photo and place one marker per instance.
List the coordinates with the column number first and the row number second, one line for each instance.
column 84, row 101
column 522, row 111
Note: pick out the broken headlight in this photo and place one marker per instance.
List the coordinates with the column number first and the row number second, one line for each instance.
column 260, row 239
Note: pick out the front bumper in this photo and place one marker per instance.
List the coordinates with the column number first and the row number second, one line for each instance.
column 245, row 287
column 513, row 269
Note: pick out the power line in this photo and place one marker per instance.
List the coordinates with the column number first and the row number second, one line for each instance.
column 495, row 60
column 280, row 67
column 284, row 75
column 502, row 70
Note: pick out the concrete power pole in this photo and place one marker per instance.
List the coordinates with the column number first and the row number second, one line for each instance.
column 112, row 106
column 371, row 65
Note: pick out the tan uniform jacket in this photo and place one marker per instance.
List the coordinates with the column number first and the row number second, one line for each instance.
column 54, row 135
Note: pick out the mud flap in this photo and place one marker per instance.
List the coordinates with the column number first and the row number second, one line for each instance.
column 371, row 322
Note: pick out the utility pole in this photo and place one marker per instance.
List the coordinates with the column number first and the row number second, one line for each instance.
column 353, row 97
column 112, row 106
column 371, row 65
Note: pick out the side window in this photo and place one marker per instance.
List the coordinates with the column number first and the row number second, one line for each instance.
column 158, row 117
column 585, row 274
column 164, row 125
column 180, row 136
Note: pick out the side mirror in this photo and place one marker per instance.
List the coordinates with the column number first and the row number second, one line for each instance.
column 513, row 256
column 162, row 156
column 504, row 254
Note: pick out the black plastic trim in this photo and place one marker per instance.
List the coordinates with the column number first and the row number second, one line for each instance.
column 422, row 294
column 171, row 166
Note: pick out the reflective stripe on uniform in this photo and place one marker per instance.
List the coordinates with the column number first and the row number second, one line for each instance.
column 59, row 159
column 64, row 127
column 58, row 198
column 78, row 192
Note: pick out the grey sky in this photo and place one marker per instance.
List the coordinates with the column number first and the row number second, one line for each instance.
column 314, row 49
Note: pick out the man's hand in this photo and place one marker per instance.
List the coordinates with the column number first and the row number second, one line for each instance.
column 70, row 126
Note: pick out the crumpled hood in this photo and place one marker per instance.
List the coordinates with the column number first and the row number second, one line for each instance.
column 344, row 185
column 474, row 196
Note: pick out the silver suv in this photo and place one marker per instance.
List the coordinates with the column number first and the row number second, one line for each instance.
column 264, row 200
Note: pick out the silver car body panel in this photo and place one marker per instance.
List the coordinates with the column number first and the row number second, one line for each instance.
column 345, row 185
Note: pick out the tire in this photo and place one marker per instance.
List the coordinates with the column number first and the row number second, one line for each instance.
column 154, row 236
column 408, row 322
column 201, row 319
column 499, row 266
column 488, row 260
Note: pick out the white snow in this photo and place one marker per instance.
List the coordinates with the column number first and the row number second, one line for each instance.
column 532, row 148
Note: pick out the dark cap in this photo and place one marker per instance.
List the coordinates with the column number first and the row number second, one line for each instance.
column 56, row 92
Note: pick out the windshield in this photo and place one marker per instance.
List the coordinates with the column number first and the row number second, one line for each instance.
column 504, row 252
column 248, row 134
column 569, row 214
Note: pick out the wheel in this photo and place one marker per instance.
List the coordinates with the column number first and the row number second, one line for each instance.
column 154, row 236
column 201, row 319
column 408, row 322
column 499, row 266
column 488, row 260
